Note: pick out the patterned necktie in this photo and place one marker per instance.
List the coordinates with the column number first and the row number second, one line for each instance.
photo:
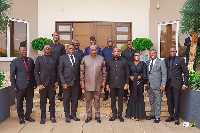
column 72, row 59
column 26, row 66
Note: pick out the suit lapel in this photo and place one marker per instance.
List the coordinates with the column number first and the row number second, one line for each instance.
column 148, row 65
column 157, row 60
column 68, row 60
column 175, row 62
column 22, row 63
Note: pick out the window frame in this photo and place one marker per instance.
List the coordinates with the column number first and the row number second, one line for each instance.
column 8, row 58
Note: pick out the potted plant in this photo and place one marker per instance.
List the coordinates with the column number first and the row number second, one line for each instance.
column 142, row 44
column 38, row 43
column 1, row 79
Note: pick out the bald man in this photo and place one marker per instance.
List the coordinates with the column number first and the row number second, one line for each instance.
column 92, row 77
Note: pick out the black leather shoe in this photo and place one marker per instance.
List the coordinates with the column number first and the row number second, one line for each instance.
column 29, row 119
column 98, row 119
column 21, row 121
column 42, row 121
column 53, row 120
column 169, row 119
column 105, row 98
column 60, row 98
column 75, row 118
column 81, row 99
column 177, row 122
column 88, row 119
column 121, row 119
column 150, row 117
column 67, row 120
column 125, row 99
column 157, row 120
column 113, row 118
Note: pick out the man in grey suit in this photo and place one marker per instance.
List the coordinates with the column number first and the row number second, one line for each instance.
column 157, row 77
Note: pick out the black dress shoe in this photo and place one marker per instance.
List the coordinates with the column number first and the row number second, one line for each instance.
column 29, row 119
column 113, row 118
column 21, row 121
column 121, row 119
column 177, row 122
column 105, row 98
column 67, row 120
column 169, row 119
column 42, row 121
column 88, row 119
column 98, row 119
column 125, row 99
column 150, row 117
column 75, row 118
column 60, row 98
column 157, row 120
column 53, row 120
column 81, row 99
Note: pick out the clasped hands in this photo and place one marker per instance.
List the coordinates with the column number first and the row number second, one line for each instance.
column 102, row 84
column 41, row 87
column 108, row 87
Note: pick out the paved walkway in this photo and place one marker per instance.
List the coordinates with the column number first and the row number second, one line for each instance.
column 11, row 125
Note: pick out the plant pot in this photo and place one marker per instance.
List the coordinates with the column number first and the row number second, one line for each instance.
column 7, row 99
column 189, row 106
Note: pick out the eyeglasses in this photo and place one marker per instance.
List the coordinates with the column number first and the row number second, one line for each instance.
column 137, row 55
column 47, row 47
column 71, row 48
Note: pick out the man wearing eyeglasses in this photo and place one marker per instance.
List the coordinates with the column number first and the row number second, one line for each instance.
column 46, row 76
column 69, row 71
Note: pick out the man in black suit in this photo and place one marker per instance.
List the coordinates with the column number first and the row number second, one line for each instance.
column 69, row 71
column 128, row 54
column 23, row 83
column 175, row 67
column 117, row 81
column 46, row 76
column 58, row 50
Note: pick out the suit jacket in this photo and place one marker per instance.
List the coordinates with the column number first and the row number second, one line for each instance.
column 128, row 56
column 187, row 40
column 68, row 74
column 43, row 73
column 19, row 74
column 117, row 76
column 92, row 72
column 179, row 67
column 158, row 75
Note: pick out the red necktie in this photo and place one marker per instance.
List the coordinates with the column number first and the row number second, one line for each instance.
column 26, row 67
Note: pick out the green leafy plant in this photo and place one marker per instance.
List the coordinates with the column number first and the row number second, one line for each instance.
column 194, row 80
column 197, row 58
column 1, row 79
column 4, row 14
column 142, row 44
column 38, row 43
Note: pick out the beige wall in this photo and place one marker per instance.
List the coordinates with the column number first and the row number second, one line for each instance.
column 25, row 10
column 135, row 11
column 169, row 11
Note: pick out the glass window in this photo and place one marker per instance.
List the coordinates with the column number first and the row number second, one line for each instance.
column 3, row 45
column 122, row 37
column 181, row 47
column 64, row 28
column 64, row 37
column 122, row 29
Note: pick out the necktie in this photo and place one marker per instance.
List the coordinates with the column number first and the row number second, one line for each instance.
column 72, row 59
column 26, row 66
column 151, row 66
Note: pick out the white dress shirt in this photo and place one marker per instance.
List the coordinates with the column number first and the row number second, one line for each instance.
column 151, row 62
column 71, row 59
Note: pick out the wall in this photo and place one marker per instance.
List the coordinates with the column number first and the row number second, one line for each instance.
column 28, row 11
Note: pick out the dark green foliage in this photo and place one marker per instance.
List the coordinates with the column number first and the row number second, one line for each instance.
column 190, row 20
column 38, row 43
column 1, row 79
column 142, row 44
column 194, row 80
column 4, row 14
column 197, row 58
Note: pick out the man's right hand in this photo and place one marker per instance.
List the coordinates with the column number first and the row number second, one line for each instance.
column 107, row 87
column 15, row 90
column 189, row 43
column 131, row 78
column 82, row 86
column 146, row 88
column 41, row 87
column 65, row 86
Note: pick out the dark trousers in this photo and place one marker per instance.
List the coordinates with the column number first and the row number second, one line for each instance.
column 70, row 92
column 126, row 93
column 106, row 93
column 173, row 101
column 79, row 92
column 120, row 93
column 47, row 92
column 60, row 90
column 28, row 93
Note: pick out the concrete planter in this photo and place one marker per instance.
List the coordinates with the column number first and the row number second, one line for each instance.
column 190, row 106
column 7, row 99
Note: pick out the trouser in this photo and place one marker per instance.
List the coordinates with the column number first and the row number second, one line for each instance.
column 28, row 93
column 70, row 93
column 88, row 97
column 113, row 93
column 125, row 93
column 173, row 101
column 106, row 93
column 79, row 92
column 47, row 92
column 155, row 97
column 60, row 90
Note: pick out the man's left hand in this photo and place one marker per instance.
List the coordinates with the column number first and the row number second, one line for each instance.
column 125, row 86
column 183, row 88
column 162, row 88
column 56, row 85
column 103, row 84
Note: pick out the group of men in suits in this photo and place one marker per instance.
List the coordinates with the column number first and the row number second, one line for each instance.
column 91, row 73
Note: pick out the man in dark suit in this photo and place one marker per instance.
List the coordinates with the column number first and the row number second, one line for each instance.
column 23, row 83
column 69, row 71
column 46, row 76
column 187, row 51
column 175, row 67
column 58, row 50
column 128, row 54
column 117, row 81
